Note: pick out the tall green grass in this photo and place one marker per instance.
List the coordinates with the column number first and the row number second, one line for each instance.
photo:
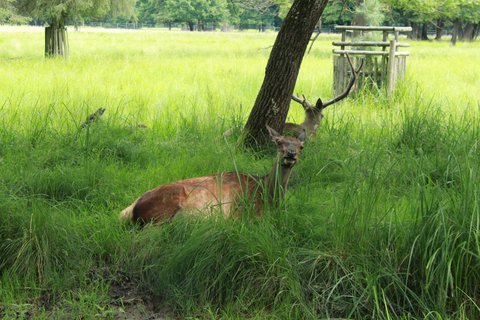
column 381, row 218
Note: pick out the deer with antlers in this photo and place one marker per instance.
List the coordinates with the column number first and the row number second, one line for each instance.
column 224, row 191
column 314, row 113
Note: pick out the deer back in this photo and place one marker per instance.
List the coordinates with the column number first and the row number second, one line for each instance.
column 196, row 196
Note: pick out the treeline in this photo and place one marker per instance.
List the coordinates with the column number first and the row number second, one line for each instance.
column 461, row 18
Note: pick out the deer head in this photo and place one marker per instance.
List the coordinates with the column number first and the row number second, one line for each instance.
column 313, row 113
column 288, row 148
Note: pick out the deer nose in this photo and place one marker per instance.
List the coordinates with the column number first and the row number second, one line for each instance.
column 291, row 154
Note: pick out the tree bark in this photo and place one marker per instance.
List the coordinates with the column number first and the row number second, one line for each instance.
column 413, row 35
column 476, row 30
column 358, row 19
column 424, row 35
column 439, row 29
column 460, row 32
column 273, row 100
column 456, row 27
column 468, row 32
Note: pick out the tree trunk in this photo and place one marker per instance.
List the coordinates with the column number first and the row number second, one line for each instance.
column 476, row 30
column 439, row 29
column 413, row 35
column 358, row 20
column 468, row 32
column 56, row 42
column 460, row 32
column 424, row 35
column 273, row 100
column 190, row 25
column 456, row 27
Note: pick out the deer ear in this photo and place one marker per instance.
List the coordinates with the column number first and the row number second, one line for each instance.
column 302, row 136
column 319, row 104
column 273, row 134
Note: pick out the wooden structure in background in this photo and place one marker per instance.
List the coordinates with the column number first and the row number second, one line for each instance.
column 383, row 63
column 56, row 41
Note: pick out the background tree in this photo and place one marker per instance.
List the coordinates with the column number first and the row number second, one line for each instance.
column 339, row 12
column 259, row 11
column 467, row 20
column 273, row 100
column 197, row 12
column 370, row 12
column 57, row 12
column 8, row 13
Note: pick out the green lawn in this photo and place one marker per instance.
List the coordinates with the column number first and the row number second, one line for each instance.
column 381, row 219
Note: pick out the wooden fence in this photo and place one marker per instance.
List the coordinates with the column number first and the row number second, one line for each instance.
column 381, row 67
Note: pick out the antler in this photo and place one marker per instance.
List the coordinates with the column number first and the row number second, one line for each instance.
column 320, row 105
column 345, row 93
column 304, row 102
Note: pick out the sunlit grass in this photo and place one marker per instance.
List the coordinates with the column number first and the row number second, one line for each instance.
column 381, row 219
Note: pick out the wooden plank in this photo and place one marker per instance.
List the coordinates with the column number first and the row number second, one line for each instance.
column 367, row 44
column 335, row 73
column 67, row 45
column 370, row 28
column 391, row 67
column 370, row 53
column 344, row 38
column 361, row 52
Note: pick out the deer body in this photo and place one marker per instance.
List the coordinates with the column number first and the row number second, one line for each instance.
column 224, row 191
column 313, row 117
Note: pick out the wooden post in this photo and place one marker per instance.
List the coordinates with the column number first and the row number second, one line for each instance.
column 391, row 67
column 66, row 44
column 47, row 41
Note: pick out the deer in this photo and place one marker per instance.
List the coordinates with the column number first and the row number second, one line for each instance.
column 314, row 113
column 224, row 191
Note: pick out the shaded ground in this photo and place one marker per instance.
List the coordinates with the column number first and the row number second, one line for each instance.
column 128, row 299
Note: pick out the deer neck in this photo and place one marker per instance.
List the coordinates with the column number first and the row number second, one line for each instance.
column 311, row 122
column 277, row 180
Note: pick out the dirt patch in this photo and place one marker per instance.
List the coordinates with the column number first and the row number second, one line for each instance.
column 130, row 301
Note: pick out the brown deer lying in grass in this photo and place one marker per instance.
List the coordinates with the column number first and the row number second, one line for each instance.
column 224, row 191
column 314, row 113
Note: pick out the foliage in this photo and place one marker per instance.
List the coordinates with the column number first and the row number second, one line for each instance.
column 338, row 12
column 8, row 13
column 197, row 11
column 372, row 12
column 59, row 11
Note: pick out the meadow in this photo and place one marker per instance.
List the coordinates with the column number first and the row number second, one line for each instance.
column 381, row 219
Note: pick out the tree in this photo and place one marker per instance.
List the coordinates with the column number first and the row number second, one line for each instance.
column 57, row 12
column 370, row 12
column 8, row 13
column 273, row 100
column 197, row 12
column 339, row 12
column 467, row 20
column 260, row 10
